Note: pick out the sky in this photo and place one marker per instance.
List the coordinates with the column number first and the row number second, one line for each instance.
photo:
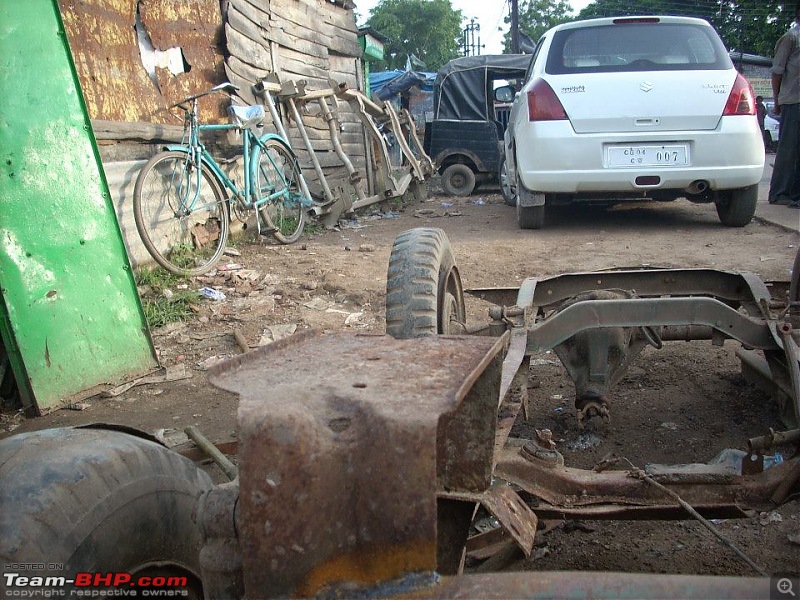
column 488, row 14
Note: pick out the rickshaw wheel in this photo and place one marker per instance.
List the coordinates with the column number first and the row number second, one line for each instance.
column 458, row 180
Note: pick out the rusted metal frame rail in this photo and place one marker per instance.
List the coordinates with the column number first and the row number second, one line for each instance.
column 400, row 126
column 289, row 93
column 745, row 289
column 561, row 491
column 650, row 312
column 399, row 178
column 688, row 303
column 356, row 179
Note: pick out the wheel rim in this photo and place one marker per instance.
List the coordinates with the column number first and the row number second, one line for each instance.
column 452, row 317
column 458, row 181
column 505, row 183
column 183, row 241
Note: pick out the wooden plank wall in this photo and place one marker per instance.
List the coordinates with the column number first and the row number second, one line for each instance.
column 311, row 40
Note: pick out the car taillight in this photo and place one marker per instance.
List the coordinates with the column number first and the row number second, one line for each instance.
column 543, row 104
column 741, row 100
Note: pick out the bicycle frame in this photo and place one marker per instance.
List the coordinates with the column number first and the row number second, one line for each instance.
column 198, row 155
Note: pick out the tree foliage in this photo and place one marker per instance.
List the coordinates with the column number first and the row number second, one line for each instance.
column 537, row 16
column 427, row 29
column 750, row 26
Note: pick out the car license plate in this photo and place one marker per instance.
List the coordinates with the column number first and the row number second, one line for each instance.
column 639, row 155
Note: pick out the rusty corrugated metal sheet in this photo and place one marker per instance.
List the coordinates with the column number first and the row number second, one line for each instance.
column 106, row 51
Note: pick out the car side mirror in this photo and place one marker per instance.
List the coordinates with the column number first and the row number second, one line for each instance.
column 505, row 93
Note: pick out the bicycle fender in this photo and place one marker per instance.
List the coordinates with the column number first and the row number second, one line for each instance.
column 175, row 148
column 274, row 136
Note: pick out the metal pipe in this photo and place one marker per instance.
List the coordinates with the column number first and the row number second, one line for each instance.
column 686, row 333
column 213, row 452
column 774, row 438
column 326, row 190
column 333, row 127
column 276, row 120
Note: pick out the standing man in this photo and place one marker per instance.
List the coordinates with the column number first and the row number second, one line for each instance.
column 785, row 184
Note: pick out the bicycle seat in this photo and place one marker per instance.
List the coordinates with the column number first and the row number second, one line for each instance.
column 247, row 116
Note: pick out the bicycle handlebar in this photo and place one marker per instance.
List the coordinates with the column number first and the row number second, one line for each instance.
column 222, row 87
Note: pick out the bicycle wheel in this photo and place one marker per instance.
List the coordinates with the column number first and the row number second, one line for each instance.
column 276, row 172
column 181, row 215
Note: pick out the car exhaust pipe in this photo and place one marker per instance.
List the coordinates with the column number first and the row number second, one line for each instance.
column 697, row 187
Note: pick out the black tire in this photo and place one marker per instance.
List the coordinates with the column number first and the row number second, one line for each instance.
column 737, row 207
column 530, row 217
column 99, row 501
column 183, row 242
column 458, row 180
column 276, row 170
column 424, row 295
column 506, row 186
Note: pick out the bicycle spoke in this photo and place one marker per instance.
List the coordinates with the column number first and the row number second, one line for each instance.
column 277, row 177
column 181, row 214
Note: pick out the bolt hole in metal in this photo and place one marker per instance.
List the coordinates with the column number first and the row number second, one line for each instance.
column 339, row 425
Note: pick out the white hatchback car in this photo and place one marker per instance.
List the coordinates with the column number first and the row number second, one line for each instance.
column 633, row 108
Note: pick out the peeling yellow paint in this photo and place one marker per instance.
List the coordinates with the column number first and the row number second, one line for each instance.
column 105, row 49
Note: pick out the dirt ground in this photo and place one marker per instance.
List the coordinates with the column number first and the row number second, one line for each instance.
column 680, row 404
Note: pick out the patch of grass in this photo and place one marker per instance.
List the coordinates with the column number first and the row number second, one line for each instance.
column 160, row 310
column 313, row 228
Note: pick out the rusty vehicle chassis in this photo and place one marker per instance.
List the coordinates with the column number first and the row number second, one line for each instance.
column 370, row 475
column 658, row 305
column 654, row 305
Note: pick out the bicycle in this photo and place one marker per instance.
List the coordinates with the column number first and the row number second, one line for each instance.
column 180, row 206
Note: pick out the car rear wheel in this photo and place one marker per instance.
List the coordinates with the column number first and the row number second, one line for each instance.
column 530, row 217
column 737, row 207
column 458, row 180
column 506, row 189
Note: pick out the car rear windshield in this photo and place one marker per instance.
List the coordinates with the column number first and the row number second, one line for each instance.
column 632, row 46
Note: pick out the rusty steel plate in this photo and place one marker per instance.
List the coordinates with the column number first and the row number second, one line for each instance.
column 345, row 440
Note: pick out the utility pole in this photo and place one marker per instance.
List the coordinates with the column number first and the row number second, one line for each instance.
column 514, row 27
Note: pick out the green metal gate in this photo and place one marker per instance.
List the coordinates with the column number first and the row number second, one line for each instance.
column 70, row 316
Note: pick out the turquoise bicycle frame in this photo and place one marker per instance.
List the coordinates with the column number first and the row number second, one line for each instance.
column 249, row 169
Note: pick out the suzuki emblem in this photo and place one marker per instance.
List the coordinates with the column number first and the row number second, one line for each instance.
column 646, row 86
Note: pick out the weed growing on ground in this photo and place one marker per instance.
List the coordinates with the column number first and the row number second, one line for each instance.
column 163, row 301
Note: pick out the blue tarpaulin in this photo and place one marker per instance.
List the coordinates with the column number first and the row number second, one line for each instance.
column 386, row 84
